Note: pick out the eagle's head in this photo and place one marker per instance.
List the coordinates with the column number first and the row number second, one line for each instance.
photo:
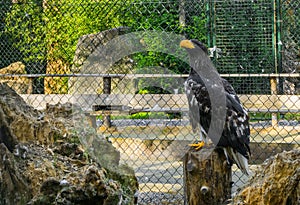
column 193, row 46
column 198, row 54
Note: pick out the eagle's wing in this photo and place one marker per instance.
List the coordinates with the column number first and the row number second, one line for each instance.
column 236, row 132
column 199, row 103
column 237, row 120
column 235, row 135
column 194, row 112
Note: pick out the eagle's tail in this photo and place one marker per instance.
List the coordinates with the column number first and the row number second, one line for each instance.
column 240, row 160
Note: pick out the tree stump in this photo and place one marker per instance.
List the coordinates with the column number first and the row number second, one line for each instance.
column 207, row 177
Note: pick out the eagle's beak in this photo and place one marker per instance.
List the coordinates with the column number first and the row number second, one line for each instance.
column 186, row 44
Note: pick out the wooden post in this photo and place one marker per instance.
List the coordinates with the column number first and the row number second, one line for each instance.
column 30, row 88
column 106, row 90
column 273, row 82
column 207, row 177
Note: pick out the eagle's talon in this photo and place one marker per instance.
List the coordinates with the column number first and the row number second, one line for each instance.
column 197, row 146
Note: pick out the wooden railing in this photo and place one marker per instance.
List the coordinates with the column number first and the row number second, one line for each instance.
column 159, row 102
column 129, row 103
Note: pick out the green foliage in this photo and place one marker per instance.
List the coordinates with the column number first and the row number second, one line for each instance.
column 158, row 85
column 164, row 16
column 153, row 90
column 149, row 115
column 196, row 28
column 145, row 115
column 254, row 117
column 143, row 91
column 49, row 31
column 68, row 20
column 140, row 115
column 55, row 27
column 25, row 26
column 245, row 38
column 292, row 116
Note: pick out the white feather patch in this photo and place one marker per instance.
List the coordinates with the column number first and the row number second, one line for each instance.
column 241, row 161
column 241, row 119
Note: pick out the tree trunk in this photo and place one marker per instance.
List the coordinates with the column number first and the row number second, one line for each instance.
column 207, row 177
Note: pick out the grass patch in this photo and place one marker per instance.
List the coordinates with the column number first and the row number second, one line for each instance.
column 149, row 115
column 268, row 116
column 292, row 116
column 144, row 115
column 260, row 116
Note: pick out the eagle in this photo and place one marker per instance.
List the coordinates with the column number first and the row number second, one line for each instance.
column 215, row 109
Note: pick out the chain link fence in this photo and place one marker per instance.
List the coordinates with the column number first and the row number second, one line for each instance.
column 133, row 86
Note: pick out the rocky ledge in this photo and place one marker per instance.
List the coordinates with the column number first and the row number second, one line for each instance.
column 275, row 182
column 47, row 158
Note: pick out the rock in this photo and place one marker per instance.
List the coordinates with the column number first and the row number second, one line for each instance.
column 87, row 185
column 60, row 110
column 14, row 188
column 89, row 43
column 276, row 182
column 104, row 152
column 28, row 124
column 46, row 159
column 50, row 186
column 72, row 150
column 21, row 85
column 87, row 46
column 25, row 122
column 6, row 136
